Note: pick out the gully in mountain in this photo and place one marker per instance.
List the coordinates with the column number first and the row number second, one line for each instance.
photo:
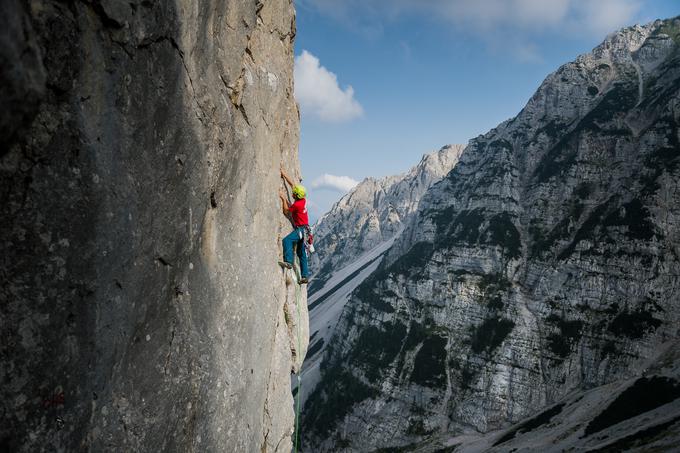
column 300, row 235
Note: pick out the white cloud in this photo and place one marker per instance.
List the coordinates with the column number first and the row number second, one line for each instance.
column 517, row 23
column 339, row 183
column 605, row 16
column 540, row 12
column 318, row 92
column 517, row 14
column 513, row 14
column 527, row 52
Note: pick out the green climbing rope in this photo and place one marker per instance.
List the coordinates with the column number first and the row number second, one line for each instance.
column 299, row 352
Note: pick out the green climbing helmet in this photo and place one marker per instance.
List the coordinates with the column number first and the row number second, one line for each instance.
column 299, row 192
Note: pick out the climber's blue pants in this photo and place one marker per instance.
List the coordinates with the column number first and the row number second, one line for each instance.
column 296, row 238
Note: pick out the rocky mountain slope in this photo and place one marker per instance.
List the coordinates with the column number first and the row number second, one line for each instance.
column 354, row 236
column 545, row 263
column 374, row 212
column 141, row 305
column 640, row 414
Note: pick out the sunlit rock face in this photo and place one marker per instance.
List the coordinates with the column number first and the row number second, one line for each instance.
column 141, row 304
column 544, row 263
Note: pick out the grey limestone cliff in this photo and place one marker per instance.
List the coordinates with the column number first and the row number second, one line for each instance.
column 141, row 306
column 546, row 263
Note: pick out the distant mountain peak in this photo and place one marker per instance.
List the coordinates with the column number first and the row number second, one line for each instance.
column 374, row 210
column 542, row 265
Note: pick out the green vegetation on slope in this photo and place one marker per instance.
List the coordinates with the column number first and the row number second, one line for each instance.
column 561, row 343
column 330, row 402
column 430, row 363
column 471, row 227
column 490, row 334
column 375, row 349
column 644, row 395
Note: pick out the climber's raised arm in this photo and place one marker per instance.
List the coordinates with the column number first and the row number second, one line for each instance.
column 284, row 201
column 287, row 178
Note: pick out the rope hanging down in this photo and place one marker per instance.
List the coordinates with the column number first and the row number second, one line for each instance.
column 299, row 352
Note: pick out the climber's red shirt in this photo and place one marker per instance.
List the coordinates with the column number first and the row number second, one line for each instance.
column 298, row 211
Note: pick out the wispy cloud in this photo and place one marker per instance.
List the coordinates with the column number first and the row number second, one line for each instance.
column 605, row 16
column 318, row 92
column 339, row 183
column 405, row 49
column 518, row 23
column 527, row 52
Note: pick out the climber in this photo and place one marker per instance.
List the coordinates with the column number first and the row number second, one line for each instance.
column 298, row 214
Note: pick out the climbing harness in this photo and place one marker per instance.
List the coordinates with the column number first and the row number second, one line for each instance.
column 308, row 239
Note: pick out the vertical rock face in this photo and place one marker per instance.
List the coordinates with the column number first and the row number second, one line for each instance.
column 546, row 261
column 142, row 307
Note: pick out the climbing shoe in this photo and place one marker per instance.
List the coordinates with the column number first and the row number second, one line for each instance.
column 286, row 265
column 304, row 280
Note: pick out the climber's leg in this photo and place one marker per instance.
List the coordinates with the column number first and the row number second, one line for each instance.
column 288, row 243
column 302, row 254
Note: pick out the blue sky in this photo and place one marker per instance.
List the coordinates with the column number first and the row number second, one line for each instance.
column 426, row 73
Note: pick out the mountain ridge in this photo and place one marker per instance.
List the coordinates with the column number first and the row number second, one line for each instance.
column 382, row 205
column 375, row 209
column 542, row 263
